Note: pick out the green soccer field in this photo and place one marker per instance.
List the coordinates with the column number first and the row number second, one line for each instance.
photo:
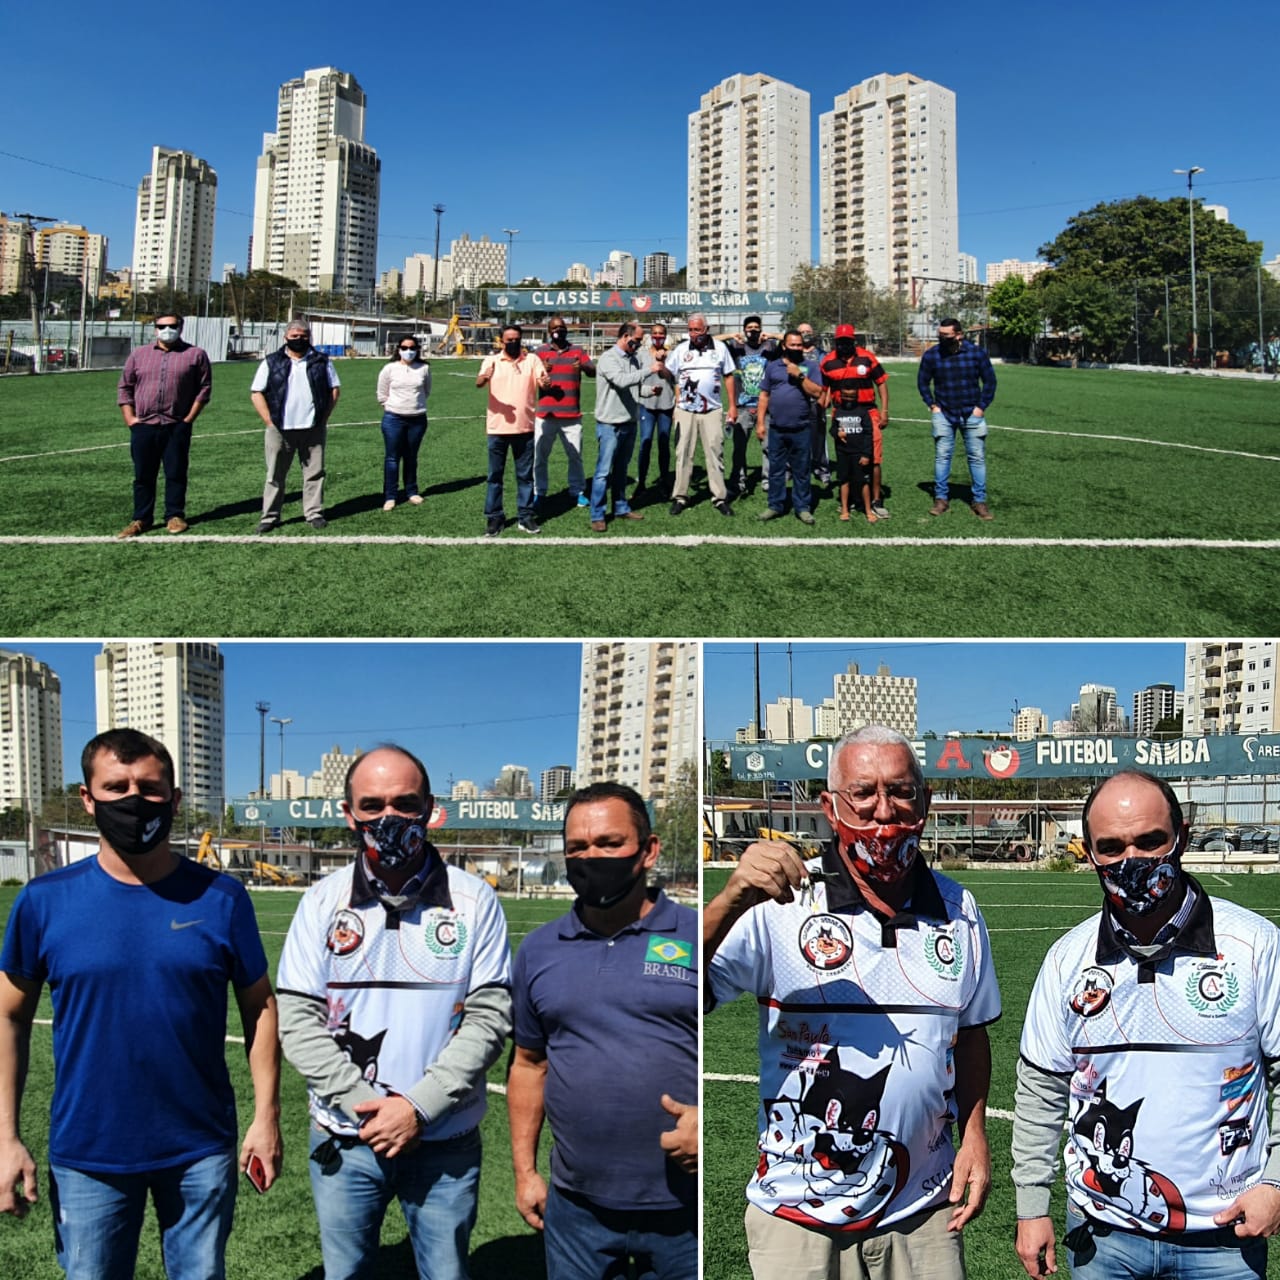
column 275, row 1236
column 1126, row 504
column 1025, row 914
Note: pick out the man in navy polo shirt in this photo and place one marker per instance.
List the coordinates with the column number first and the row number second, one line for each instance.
column 787, row 397
column 608, row 993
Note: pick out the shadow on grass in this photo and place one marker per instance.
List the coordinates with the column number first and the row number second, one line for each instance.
column 509, row 1256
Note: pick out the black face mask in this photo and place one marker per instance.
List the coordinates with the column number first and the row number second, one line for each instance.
column 133, row 825
column 753, row 339
column 845, row 347
column 603, row 882
column 807, row 339
column 796, row 357
column 700, row 342
column 298, row 344
column 560, row 337
column 949, row 345
column 513, row 349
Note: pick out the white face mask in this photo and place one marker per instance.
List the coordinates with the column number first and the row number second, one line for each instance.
column 408, row 356
column 168, row 334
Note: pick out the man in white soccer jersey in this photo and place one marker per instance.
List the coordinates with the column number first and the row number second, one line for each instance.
column 391, row 963
column 875, row 985
column 1154, row 1030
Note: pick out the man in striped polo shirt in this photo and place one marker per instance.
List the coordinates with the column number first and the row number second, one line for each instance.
column 560, row 409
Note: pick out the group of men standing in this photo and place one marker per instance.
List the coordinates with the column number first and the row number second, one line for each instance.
column 1152, row 1033
column 396, row 995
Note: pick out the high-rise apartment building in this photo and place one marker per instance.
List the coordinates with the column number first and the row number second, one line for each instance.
column 968, row 265
column 1154, row 703
column 578, row 273
column 174, row 692
column 658, row 269
column 749, row 185
column 330, row 779
column 1230, row 687
column 513, row 780
column 421, row 276
column 1029, row 723
column 30, row 731
column 554, row 781
column 1000, row 271
column 875, row 699
column 887, row 181
column 637, row 715
column 72, row 255
column 464, row 789
column 788, row 720
column 315, row 205
column 173, row 230
column 1098, row 711
column 15, row 255
column 826, row 719
column 477, row 262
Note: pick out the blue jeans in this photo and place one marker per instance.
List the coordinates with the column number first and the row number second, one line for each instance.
column 1097, row 1252
column 436, row 1184
column 587, row 1242
column 649, row 420
column 521, row 449
column 789, row 449
column 149, row 446
column 975, row 448
column 614, row 442
column 97, row 1218
column 402, row 437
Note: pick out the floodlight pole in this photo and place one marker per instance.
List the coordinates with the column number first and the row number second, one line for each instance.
column 262, row 708
column 437, row 209
column 510, row 233
column 282, row 721
column 1191, row 218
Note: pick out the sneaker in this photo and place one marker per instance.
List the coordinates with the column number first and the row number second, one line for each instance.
column 317, row 522
column 940, row 507
column 982, row 511
column 769, row 514
column 265, row 526
column 133, row 529
column 529, row 525
column 389, row 505
column 806, row 517
column 678, row 506
column 880, row 511
column 494, row 526
column 723, row 508
column 583, row 500
column 176, row 524
column 416, row 499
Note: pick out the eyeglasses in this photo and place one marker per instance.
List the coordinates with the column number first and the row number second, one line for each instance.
column 863, row 795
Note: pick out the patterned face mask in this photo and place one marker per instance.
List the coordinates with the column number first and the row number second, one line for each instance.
column 1139, row 885
column 882, row 852
column 392, row 841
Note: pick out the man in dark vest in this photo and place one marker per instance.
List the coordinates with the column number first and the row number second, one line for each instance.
column 294, row 392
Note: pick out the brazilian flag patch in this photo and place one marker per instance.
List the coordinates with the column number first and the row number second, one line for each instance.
column 669, row 951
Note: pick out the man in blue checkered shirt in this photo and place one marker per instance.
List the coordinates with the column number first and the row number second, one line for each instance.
column 957, row 383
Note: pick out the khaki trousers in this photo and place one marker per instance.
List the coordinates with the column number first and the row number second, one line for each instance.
column 280, row 448
column 917, row 1248
column 689, row 428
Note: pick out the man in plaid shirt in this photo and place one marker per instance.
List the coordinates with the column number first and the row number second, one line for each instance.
column 957, row 383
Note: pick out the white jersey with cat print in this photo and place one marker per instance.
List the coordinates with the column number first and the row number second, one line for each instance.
column 1167, row 1062
column 857, row 1042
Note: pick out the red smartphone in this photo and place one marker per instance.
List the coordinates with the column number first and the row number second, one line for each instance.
column 256, row 1172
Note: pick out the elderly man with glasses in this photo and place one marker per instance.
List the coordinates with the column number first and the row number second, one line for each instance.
column 875, row 986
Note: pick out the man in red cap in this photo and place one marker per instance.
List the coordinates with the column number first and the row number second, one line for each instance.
column 852, row 377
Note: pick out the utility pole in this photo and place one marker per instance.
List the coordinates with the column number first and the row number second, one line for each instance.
column 262, row 708
column 437, row 209
column 29, row 220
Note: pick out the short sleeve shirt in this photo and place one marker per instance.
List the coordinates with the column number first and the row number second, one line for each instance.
column 699, row 376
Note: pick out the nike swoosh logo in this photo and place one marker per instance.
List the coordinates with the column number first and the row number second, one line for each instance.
column 185, row 924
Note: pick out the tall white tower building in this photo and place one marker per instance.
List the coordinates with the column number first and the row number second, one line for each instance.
column 887, row 181
column 174, row 692
column 1230, row 687
column 315, row 205
column 173, row 230
column 637, row 715
column 1151, row 705
column 749, row 186
column 882, row 698
column 30, row 731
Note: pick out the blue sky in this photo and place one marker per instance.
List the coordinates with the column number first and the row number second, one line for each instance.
column 464, row 709
column 960, row 686
column 570, row 123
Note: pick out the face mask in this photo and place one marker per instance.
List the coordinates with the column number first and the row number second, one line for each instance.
column 392, row 841
column 632, row 345
column 1138, row 886
column 949, row 345
column 603, row 882
column 168, row 333
column 133, row 825
column 298, row 344
column 845, row 347
column 753, row 338
column 409, row 355
column 513, row 349
column 794, row 356
column 883, row 853
column 560, row 337
column 807, row 339
column 700, row 342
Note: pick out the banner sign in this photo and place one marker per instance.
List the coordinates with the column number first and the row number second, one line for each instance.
column 966, row 757
column 636, row 301
column 448, row 815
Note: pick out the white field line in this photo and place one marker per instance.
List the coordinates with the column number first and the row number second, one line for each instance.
column 514, row 538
